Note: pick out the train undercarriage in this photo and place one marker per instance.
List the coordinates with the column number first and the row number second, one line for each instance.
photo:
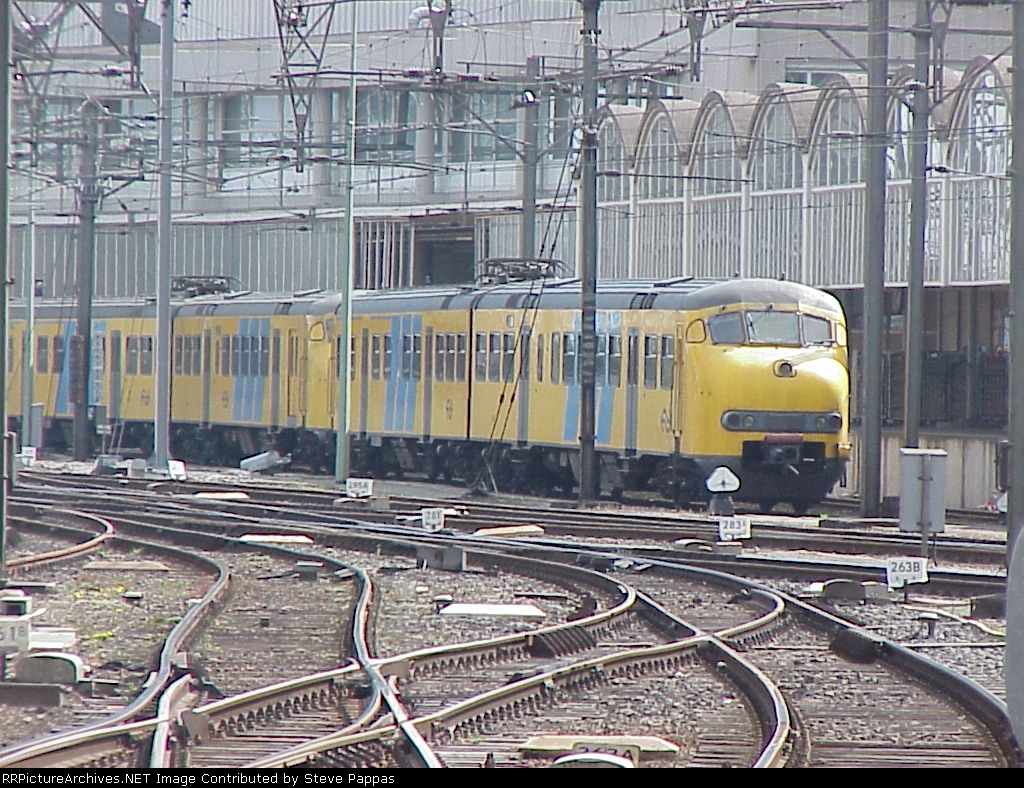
column 796, row 474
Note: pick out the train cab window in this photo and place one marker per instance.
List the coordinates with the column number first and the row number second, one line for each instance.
column 508, row 357
column 556, row 365
column 569, row 344
column 696, row 331
column 42, row 354
column 772, row 327
column 460, row 358
column 816, row 330
column 726, row 328
column 58, row 354
column 494, row 358
column 668, row 360
column 131, row 355
column 614, row 360
column 651, row 361
column 480, row 358
column 540, row 359
column 375, row 357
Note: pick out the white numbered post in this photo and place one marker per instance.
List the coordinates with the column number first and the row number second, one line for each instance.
column 433, row 520
column 900, row 572
column 731, row 528
column 358, row 488
column 14, row 633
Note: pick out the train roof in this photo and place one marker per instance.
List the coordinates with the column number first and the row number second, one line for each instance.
column 683, row 293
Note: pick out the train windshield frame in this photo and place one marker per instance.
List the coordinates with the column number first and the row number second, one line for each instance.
column 774, row 327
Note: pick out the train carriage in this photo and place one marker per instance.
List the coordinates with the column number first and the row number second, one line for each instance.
column 482, row 383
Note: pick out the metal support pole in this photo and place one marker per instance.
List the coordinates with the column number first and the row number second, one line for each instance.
column 162, row 395
column 1015, row 494
column 528, row 221
column 28, row 341
column 85, row 261
column 5, row 148
column 342, row 448
column 589, row 483
column 874, row 257
column 918, row 219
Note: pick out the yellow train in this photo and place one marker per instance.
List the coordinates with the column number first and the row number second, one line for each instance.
column 478, row 382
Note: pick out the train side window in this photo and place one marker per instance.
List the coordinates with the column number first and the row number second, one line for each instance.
column 569, row 343
column 460, row 358
column 264, row 355
column 450, row 355
column 236, row 354
column 726, row 328
column 817, row 330
column 440, row 353
column 42, row 354
column 480, row 358
column 417, row 356
column 633, row 366
column 601, row 360
column 386, row 351
column 540, row 359
column 353, row 358
column 375, row 358
column 222, row 356
column 179, row 355
column 244, row 356
column 668, row 360
column 58, row 354
column 524, row 368
column 508, row 357
column 131, row 355
column 494, row 358
column 405, row 372
column 146, row 355
column 275, row 356
column 650, row 361
column 614, row 360
column 556, row 349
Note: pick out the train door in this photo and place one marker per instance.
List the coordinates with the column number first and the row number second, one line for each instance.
column 428, row 381
column 207, row 376
column 364, row 380
column 296, row 379
column 523, row 382
column 115, row 376
column 678, row 394
column 632, row 390
column 275, row 378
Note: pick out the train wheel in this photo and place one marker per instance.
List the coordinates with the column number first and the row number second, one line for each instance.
column 800, row 507
column 766, row 506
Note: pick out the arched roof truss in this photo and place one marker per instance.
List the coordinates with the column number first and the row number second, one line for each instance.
column 619, row 130
column 664, row 148
column 775, row 148
column 837, row 136
column 979, row 132
column 715, row 165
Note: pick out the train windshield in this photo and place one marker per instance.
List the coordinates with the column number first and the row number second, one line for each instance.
column 769, row 327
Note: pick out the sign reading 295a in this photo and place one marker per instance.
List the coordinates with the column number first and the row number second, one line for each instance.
column 903, row 571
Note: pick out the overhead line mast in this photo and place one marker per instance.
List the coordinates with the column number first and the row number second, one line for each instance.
column 302, row 30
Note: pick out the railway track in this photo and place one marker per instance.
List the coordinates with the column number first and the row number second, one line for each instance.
column 532, row 682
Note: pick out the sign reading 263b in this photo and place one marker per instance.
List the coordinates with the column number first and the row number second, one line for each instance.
column 903, row 571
